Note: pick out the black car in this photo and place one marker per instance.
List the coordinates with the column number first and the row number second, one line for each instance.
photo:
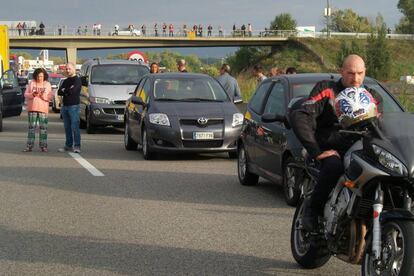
column 267, row 144
column 181, row 112
column 10, row 96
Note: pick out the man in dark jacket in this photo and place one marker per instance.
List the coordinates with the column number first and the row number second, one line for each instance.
column 70, row 90
column 315, row 125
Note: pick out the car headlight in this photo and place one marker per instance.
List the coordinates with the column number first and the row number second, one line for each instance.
column 159, row 119
column 389, row 161
column 99, row 100
column 237, row 119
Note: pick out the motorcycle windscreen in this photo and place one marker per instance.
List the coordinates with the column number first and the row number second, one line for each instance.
column 399, row 129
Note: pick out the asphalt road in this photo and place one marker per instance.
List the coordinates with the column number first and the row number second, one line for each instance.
column 182, row 215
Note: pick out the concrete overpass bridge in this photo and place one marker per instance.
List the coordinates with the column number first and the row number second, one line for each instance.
column 72, row 43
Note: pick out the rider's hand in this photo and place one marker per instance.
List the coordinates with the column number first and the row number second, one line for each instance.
column 327, row 153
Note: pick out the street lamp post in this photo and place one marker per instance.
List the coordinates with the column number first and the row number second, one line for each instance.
column 328, row 15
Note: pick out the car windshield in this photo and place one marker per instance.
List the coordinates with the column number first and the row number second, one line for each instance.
column 388, row 103
column 118, row 74
column 191, row 89
column 54, row 80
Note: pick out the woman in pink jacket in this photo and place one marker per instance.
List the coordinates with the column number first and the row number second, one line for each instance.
column 38, row 94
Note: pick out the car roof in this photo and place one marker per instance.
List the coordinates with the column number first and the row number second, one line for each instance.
column 177, row 75
column 306, row 77
column 56, row 75
column 114, row 61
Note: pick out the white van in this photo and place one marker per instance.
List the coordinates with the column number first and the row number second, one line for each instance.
column 106, row 85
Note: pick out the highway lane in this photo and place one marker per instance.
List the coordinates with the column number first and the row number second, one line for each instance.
column 179, row 215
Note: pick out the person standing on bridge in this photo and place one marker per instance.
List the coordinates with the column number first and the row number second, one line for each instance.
column 70, row 90
column 38, row 94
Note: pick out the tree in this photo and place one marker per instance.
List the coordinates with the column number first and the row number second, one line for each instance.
column 378, row 57
column 245, row 57
column 406, row 24
column 283, row 21
column 348, row 49
column 348, row 21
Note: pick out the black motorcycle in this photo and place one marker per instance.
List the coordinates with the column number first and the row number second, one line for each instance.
column 368, row 218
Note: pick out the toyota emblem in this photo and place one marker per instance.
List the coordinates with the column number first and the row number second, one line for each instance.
column 202, row 121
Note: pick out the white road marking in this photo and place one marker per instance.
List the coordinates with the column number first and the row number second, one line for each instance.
column 88, row 166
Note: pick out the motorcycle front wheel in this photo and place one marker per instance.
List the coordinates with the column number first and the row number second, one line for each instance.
column 309, row 251
column 397, row 251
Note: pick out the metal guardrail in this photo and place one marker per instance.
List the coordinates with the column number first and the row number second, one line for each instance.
column 150, row 32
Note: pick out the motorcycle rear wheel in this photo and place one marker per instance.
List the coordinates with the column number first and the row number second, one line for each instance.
column 397, row 251
column 309, row 251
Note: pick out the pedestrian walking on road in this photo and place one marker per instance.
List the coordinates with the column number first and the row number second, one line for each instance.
column 258, row 73
column 229, row 83
column 37, row 95
column 154, row 68
column 70, row 90
column 181, row 66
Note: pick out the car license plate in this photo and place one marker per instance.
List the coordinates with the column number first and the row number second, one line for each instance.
column 120, row 117
column 203, row 135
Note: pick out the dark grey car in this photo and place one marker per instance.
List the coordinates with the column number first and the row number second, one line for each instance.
column 10, row 96
column 267, row 145
column 181, row 113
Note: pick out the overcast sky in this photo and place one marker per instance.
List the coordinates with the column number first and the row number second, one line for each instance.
column 217, row 12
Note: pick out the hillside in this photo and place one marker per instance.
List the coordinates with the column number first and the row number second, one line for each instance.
column 319, row 55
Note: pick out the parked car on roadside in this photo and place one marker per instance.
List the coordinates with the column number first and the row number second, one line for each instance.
column 10, row 96
column 54, row 80
column 267, row 145
column 181, row 112
column 57, row 100
column 106, row 85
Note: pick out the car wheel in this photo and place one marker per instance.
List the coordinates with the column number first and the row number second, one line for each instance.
column 82, row 123
column 129, row 143
column 146, row 151
column 290, row 178
column 245, row 177
column 54, row 106
column 90, row 129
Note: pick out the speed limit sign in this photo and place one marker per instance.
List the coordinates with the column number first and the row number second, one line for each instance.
column 137, row 56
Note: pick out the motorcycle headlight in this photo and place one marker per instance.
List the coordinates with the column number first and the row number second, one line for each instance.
column 237, row 119
column 389, row 161
column 159, row 119
column 100, row 100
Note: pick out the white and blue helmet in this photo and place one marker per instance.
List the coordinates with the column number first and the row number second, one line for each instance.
column 354, row 105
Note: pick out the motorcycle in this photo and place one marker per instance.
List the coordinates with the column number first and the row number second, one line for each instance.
column 368, row 218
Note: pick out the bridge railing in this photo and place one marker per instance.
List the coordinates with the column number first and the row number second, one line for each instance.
column 150, row 32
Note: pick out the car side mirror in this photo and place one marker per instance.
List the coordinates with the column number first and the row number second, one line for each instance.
column 271, row 118
column 238, row 100
column 138, row 101
column 84, row 81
